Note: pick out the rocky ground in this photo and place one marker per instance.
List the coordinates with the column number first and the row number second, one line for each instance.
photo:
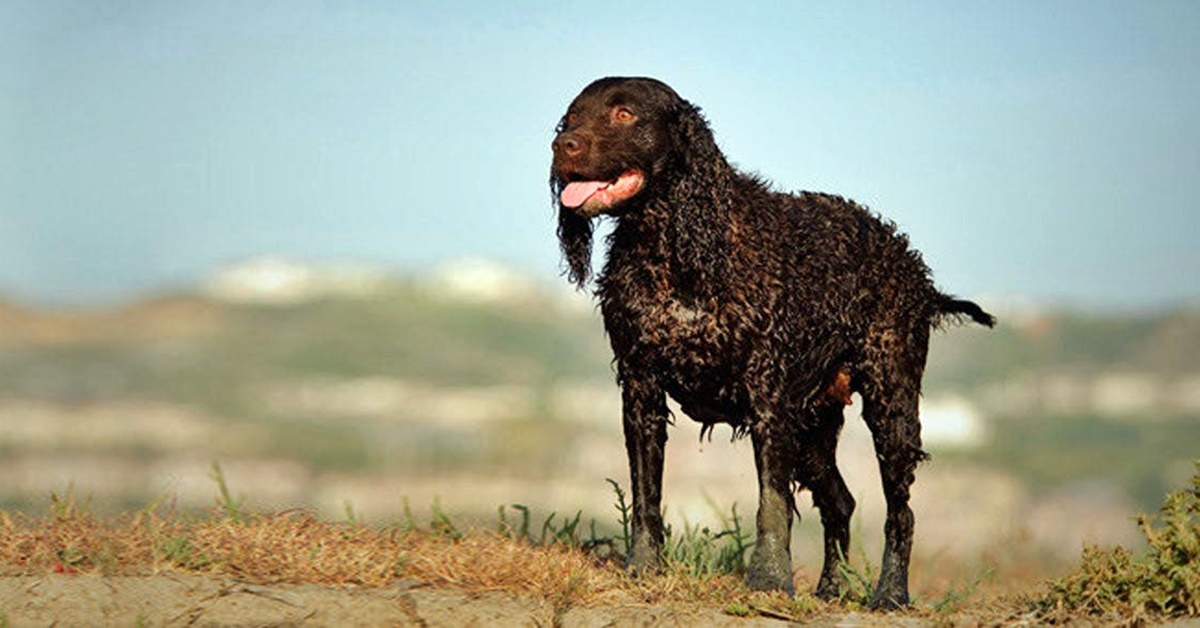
column 200, row 600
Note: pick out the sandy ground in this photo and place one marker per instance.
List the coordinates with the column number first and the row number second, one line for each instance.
column 198, row 600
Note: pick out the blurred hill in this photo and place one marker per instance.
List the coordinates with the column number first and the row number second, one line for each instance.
column 318, row 385
column 480, row 324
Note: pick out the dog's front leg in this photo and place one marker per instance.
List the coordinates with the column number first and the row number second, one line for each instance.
column 644, row 411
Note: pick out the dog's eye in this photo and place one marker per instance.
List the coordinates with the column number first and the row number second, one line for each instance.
column 572, row 119
column 623, row 115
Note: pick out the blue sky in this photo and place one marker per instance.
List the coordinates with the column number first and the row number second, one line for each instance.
column 1049, row 150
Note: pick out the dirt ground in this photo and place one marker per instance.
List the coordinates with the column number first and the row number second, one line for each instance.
column 198, row 600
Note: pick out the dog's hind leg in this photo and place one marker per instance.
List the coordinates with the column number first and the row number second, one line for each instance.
column 817, row 471
column 890, row 402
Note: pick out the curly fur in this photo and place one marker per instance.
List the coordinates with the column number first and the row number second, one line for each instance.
column 749, row 307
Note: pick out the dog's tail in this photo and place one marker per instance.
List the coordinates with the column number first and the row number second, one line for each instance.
column 959, row 308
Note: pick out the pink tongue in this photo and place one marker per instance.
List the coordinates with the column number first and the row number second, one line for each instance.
column 575, row 194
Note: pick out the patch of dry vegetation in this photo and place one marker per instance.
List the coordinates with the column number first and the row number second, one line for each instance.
column 296, row 547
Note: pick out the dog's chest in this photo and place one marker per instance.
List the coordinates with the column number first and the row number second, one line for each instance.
column 698, row 352
column 683, row 337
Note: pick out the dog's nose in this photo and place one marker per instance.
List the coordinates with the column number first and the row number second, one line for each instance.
column 569, row 144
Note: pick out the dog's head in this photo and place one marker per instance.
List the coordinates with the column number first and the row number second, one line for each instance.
column 621, row 142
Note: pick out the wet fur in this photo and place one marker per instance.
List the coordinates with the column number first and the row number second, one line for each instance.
column 750, row 307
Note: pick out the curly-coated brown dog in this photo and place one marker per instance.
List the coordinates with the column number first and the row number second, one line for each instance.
column 750, row 307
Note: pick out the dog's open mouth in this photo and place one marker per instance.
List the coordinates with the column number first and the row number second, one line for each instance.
column 596, row 196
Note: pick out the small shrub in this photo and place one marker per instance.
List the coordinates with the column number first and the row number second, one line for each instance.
column 1165, row 581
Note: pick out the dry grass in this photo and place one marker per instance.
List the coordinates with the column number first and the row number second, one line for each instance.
column 298, row 547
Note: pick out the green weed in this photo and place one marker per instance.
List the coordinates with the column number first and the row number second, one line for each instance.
column 66, row 507
column 702, row 552
column 859, row 584
column 506, row 528
column 441, row 523
column 740, row 608
column 180, row 551
column 408, row 523
column 225, row 500
column 696, row 550
column 351, row 516
column 623, row 508
column 956, row 599
column 565, row 533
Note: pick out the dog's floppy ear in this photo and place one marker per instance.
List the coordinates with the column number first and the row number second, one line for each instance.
column 574, row 231
column 696, row 144
column 700, row 199
column 574, row 238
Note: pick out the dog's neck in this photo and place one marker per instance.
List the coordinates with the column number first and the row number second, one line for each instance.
column 681, row 240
